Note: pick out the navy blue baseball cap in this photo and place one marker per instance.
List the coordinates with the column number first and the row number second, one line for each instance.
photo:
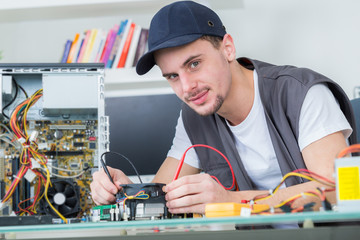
column 178, row 24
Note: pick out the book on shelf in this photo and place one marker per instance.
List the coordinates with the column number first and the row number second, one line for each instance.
column 66, row 51
column 105, row 47
column 77, row 51
column 89, row 46
column 126, row 47
column 122, row 43
column 142, row 45
column 117, row 42
column 84, row 46
column 133, row 45
column 73, row 47
column 101, row 46
column 97, row 41
column 110, row 43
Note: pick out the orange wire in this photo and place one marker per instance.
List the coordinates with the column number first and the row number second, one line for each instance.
column 350, row 149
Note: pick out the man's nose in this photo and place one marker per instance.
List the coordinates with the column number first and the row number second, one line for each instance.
column 187, row 82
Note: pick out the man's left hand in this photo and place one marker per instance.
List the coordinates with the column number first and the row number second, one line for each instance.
column 190, row 194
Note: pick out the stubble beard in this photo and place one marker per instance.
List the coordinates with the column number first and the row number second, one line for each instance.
column 217, row 105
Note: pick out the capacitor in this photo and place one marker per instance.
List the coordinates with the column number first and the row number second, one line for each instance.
column 58, row 134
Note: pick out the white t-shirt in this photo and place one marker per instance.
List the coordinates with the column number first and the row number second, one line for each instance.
column 320, row 116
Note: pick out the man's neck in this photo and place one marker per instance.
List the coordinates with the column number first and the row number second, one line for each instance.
column 240, row 99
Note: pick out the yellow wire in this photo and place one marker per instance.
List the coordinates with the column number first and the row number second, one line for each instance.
column 23, row 156
column 294, row 197
column 30, row 103
column 137, row 196
column 37, row 156
column 46, row 196
column 16, row 182
column 286, row 201
column 288, row 175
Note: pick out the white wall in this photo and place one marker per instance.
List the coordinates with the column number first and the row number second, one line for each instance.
column 323, row 35
column 319, row 34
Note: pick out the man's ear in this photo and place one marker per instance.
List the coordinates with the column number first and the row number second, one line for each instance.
column 229, row 47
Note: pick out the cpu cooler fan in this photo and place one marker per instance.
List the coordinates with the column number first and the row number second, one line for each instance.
column 64, row 195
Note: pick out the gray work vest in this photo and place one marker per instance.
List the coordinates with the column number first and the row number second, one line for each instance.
column 282, row 91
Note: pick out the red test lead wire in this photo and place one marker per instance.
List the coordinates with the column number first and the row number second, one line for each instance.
column 206, row 146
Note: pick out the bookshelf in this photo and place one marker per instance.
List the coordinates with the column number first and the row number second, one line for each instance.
column 43, row 20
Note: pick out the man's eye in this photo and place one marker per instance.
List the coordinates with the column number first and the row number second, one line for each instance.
column 194, row 64
column 172, row 76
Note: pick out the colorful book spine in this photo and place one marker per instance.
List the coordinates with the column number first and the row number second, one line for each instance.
column 66, row 51
column 114, row 49
column 96, row 45
column 101, row 46
column 73, row 47
column 79, row 49
column 110, row 44
column 105, row 45
column 83, row 47
column 125, row 50
column 122, row 42
column 133, row 45
column 90, row 46
column 141, row 45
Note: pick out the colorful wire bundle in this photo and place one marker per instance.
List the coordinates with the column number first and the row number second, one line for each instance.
column 31, row 209
column 139, row 195
column 319, row 193
column 304, row 173
column 29, row 155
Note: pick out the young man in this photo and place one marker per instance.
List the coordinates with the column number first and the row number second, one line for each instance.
column 268, row 120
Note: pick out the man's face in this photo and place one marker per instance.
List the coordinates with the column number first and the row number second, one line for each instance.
column 198, row 73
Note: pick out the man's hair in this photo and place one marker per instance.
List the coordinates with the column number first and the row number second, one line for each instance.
column 214, row 40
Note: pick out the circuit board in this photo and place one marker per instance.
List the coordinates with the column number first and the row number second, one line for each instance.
column 70, row 148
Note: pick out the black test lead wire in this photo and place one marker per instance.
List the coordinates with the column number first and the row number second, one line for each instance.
column 107, row 171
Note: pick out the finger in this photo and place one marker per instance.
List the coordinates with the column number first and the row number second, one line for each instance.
column 100, row 178
column 188, row 200
column 119, row 177
column 190, row 179
column 182, row 191
column 100, row 195
column 193, row 186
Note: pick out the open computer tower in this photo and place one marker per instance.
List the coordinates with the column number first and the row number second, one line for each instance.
column 53, row 133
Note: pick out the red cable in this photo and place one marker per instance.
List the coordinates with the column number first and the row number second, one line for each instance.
column 206, row 146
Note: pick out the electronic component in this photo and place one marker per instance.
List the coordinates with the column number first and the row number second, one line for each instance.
column 104, row 212
column 64, row 195
column 233, row 209
column 347, row 172
column 143, row 201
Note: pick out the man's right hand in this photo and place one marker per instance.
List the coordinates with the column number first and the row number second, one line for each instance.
column 103, row 190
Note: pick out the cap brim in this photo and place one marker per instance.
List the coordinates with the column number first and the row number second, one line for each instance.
column 147, row 61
